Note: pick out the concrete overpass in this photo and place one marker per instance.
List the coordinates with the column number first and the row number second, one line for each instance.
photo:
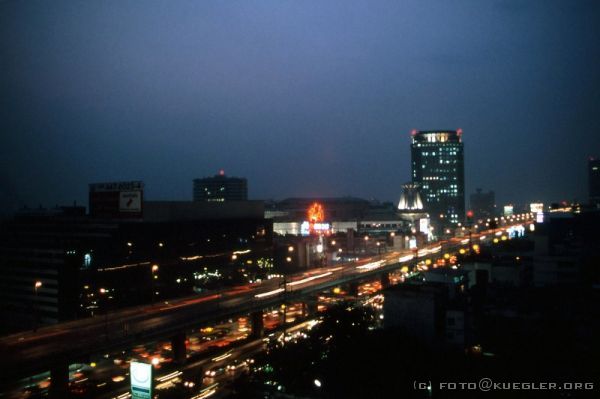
column 55, row 347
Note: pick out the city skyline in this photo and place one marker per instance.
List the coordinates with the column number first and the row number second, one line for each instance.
column 300, row 99
column 303, row 199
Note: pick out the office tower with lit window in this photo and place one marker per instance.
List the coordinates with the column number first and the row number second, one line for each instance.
column 220, row 188
column 438, row 168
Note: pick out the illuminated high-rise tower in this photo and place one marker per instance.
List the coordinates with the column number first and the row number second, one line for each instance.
column 438, row 168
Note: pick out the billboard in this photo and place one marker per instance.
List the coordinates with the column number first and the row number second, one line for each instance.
column 117, row 186
column 117, row 200
column 130, row 201
column 536, row 207
column 141, row 380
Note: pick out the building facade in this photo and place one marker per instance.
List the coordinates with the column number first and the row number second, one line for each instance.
column 438, row 168
column 220, row 188
column 61, row 264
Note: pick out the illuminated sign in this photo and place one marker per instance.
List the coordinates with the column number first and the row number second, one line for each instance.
column 412, row 244
column 306, row 228
column 516, row 231
column 424, row 226
column 141, row 380
column 539, row 217
column 508, row 210
column 316, row 213
column 87, row 260
column 536, row 207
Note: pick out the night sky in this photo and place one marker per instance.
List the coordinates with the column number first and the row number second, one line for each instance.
column 304, row 98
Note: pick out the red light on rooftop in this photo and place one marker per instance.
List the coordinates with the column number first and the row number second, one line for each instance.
column 459, row 131
column 414, row 132
column 221, row 172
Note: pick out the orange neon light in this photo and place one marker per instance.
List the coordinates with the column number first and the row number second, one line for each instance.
column 316, row 214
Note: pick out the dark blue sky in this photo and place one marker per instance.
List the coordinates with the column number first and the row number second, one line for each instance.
column 301, row 97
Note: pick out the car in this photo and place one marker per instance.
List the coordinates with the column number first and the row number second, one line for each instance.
column 215, row 371
column 236, row 364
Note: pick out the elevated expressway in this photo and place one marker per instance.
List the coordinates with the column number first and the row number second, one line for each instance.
column 54, row 347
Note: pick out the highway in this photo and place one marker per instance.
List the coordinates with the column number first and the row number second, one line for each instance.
column 222, row 365
column 27, row 353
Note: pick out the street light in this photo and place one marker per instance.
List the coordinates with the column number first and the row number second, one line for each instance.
column 36, row 285
column 154, row 277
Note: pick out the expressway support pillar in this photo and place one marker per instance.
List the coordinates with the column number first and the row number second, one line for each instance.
column 310, row 307
column 353, row 288
column 385, row 280
column 258, row 327
column 178, row 348
column 59, row 380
